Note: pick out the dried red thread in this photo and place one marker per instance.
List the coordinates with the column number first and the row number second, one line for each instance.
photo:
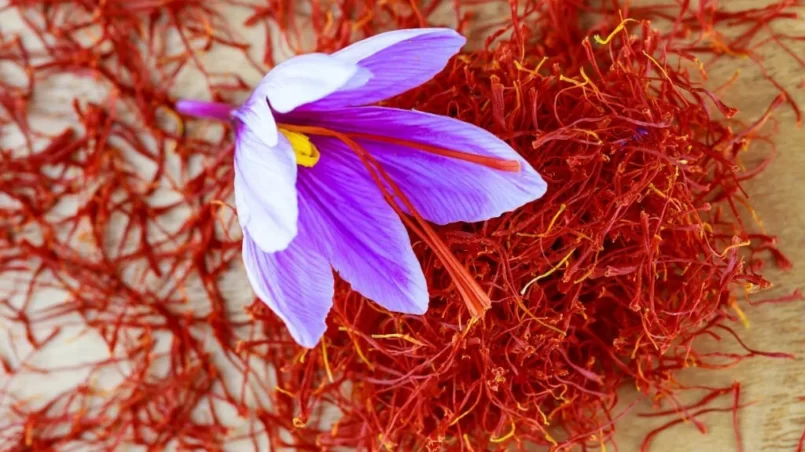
column 632, row 256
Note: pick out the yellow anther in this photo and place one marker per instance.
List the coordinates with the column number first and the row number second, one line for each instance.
column 307, row 154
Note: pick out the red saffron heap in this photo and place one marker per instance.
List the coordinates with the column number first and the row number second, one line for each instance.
column 115, row 225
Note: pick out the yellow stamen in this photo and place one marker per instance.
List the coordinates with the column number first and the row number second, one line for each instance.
column 307, row 154
column 504, row 437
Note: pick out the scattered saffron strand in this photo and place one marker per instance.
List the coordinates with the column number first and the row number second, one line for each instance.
column 688, row 416
column 643, row 186
column 795, row 296
column 736, row 425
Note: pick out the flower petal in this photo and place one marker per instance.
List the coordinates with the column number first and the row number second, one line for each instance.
column 297, row 284
column 308, row 78
column 442, row 189
column 256, row 113
column 265, row 189
column 398, row 60
column 368, row 245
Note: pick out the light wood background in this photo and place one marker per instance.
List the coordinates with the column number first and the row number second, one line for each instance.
column 777, row 420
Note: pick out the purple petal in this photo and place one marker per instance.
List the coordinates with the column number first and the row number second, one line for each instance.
column 367, row 243
column 295, row 82
column 398, row 60
column 442, row 189
column 297, row 284
column 265, row 189
column 307, row 78
column 203, row 109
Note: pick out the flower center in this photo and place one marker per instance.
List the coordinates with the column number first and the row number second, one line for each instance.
column 307, row 154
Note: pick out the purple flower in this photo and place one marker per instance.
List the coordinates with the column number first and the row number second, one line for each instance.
column 309, row 200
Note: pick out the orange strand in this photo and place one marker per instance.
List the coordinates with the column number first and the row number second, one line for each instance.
column 512, row 166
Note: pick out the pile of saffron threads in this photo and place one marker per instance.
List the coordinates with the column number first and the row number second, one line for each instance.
column 117, row 226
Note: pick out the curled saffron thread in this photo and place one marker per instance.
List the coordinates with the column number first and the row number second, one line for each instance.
column 503, row 438
column 548, row 273
column 189, row 356
column 621, row 26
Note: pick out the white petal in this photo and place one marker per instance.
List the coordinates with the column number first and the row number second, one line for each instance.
column 256, row 113
column 265, row 190
column 308, row 78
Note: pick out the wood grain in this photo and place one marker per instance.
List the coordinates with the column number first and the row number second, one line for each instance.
column 777, row 419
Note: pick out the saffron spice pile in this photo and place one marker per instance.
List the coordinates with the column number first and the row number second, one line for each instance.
column 117, row 228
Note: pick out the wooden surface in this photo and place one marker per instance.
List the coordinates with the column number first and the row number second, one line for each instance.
column 777, row 419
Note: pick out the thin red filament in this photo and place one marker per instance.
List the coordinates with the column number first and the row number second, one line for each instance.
column 490, row 162
column 632, row 252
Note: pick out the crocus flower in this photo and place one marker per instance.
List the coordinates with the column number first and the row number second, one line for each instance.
column 307, row 202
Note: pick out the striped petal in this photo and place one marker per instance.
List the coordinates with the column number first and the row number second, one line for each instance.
column 442, row 189
column 365, row 239
column 398, row 61
column 296, row 283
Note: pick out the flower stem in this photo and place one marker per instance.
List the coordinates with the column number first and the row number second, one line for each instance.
column 203, row 109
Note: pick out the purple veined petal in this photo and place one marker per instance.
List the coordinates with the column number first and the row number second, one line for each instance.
column 442, row 189
column 398, row 60
column 366, row 241
column 307, row 78
column 296, row 283
column 265, row 189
